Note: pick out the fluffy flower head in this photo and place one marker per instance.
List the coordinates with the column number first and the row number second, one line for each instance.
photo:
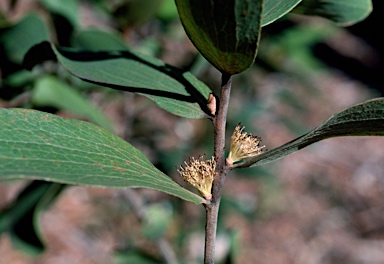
column 200, row 174
column 243, row 145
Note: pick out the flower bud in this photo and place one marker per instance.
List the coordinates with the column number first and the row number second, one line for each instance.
column 211, row 104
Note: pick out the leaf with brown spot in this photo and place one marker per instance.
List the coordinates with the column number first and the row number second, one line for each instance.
column 77, row 153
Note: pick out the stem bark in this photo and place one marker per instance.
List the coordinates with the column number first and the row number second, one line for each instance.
column 212, row 209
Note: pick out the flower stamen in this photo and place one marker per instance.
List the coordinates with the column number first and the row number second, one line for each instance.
column 200, row 174
column 243, row 145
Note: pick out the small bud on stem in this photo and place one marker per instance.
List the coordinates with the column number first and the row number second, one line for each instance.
column 211, row 104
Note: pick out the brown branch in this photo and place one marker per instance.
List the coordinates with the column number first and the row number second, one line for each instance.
column 212, row 209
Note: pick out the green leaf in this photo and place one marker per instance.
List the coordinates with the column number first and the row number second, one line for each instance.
column 19, row 38
column 103, row 40
column 343, row 13
column 275, row 9
column 36, row 145
column 19, row 218
column 98, row 40
column 50, row 91
column 157, row 220
column 19, row 78
column 226, row 34
column 68, row 9
column 168, row 11
column 53, row 192
column 365, row 119
column 174, row 90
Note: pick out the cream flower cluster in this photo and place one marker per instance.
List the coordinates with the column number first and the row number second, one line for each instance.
column 243, row 145
column 200, row 174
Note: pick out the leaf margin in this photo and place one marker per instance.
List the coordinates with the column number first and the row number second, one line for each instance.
column 172, row 187
column 322, row 132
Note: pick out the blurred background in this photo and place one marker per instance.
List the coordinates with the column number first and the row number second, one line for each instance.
column 322, row 204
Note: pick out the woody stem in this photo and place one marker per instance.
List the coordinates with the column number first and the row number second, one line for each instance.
column 212, row 209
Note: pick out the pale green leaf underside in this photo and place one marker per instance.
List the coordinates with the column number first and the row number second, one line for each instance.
column 274, row 9
column 98, row 40
column 37, row 145
column 365, row 119
column 19, row 38
column 343, row 13
column 68, row 9
column 51, row 91
column 173, row 90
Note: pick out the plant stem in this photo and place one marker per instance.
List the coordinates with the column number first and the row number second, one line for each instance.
column 212, row 209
